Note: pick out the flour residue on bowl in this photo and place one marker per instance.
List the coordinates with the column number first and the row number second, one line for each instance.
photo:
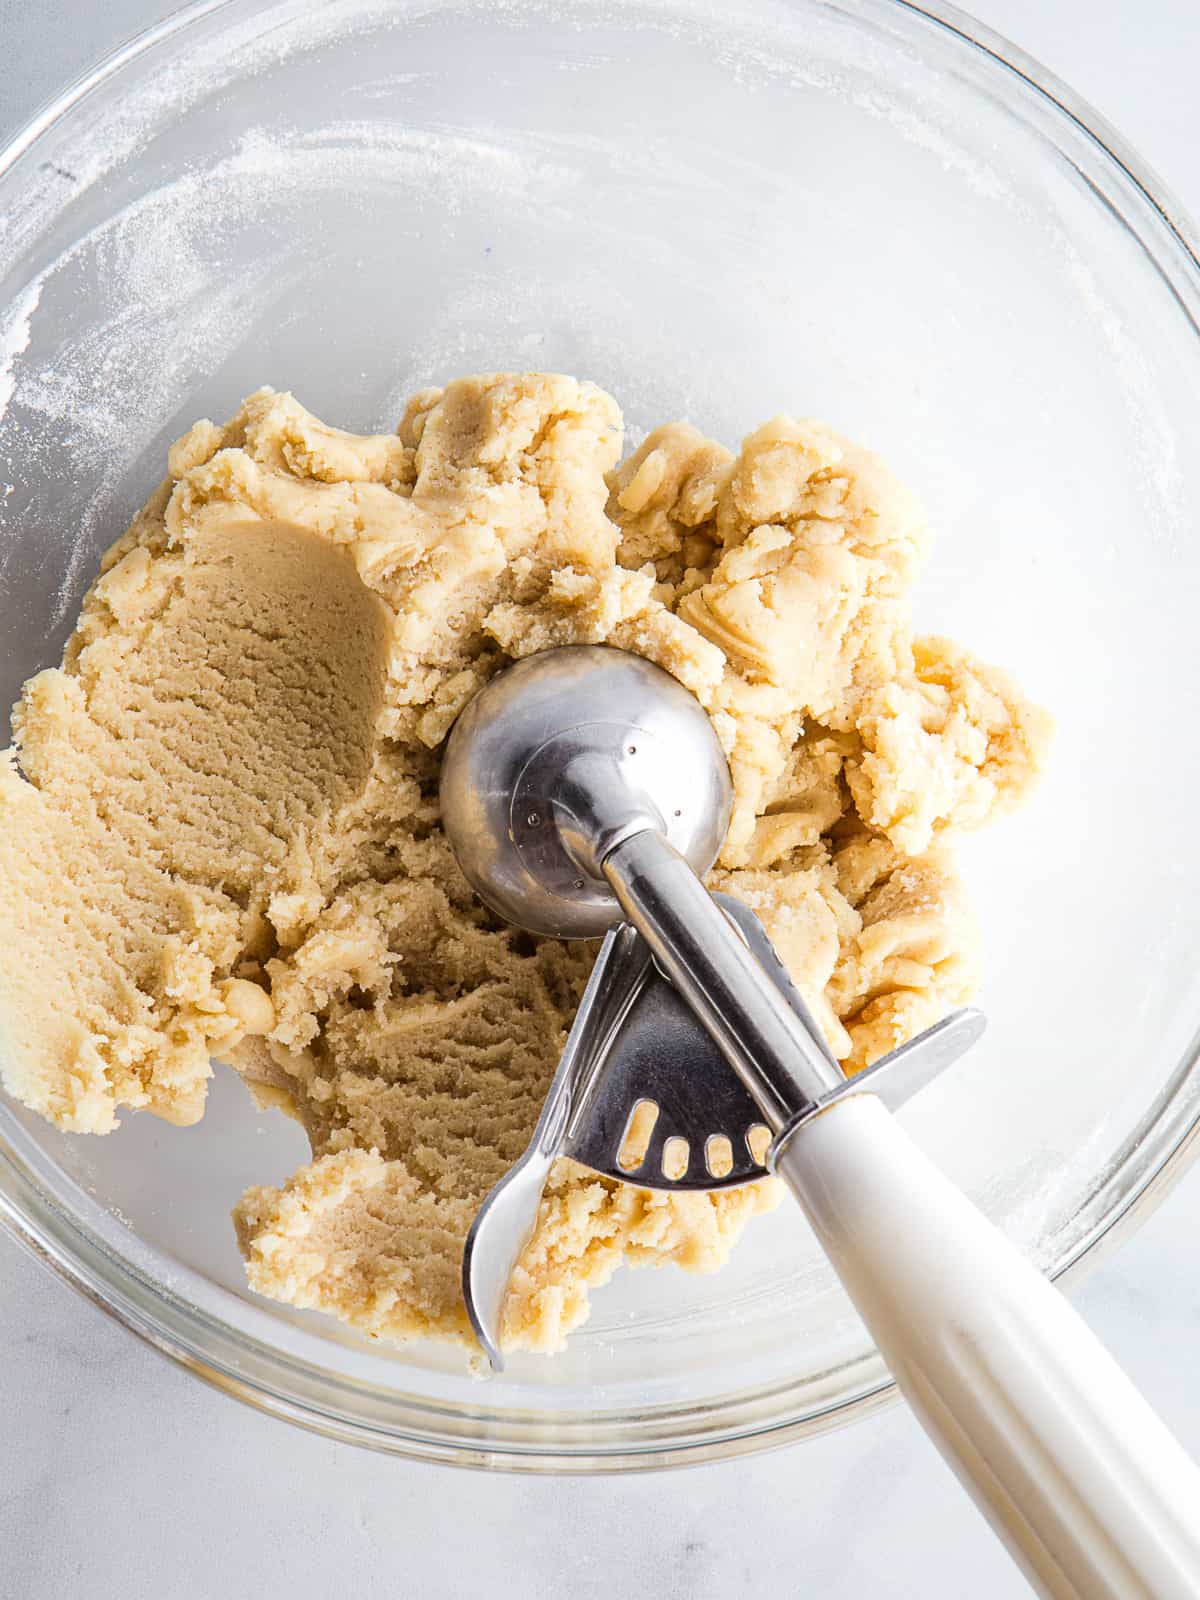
column 15, row 333
column 166, row 306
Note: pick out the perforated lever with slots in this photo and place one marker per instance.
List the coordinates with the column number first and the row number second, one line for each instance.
column 643, row 1078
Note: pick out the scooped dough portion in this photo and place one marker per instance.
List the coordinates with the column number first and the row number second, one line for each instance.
column 189, row 769
column 219, row 829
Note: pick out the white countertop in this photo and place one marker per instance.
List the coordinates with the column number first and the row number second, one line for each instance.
column 120, row 1475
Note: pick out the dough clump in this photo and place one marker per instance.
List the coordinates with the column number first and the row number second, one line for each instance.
column 219, row 827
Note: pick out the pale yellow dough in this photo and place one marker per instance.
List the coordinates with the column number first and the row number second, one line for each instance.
column 219, row 830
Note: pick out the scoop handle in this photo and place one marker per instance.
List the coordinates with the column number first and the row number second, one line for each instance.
column 1092, row 1495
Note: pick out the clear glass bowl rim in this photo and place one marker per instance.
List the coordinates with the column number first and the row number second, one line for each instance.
column 1154, row 1156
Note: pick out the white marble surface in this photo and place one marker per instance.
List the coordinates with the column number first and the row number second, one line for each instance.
column 122, row 1476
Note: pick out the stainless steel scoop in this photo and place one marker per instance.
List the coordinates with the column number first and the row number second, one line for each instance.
column 584, row 792
column 584, row 786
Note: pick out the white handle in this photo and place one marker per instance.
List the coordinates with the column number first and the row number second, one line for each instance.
column 1092, row 1495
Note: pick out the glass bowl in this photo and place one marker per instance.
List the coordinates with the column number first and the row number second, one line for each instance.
column 863, row 210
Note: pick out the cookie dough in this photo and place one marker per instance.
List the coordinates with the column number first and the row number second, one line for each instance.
column 219, row 827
